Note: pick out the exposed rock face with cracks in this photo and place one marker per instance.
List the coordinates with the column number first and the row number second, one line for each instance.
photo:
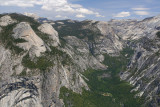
column 33, row 43
column 6, row 20
column 53, row 34
column 56, row 55
column 27, row 81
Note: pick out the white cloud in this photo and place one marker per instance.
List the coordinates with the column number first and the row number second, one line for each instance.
column 80, row 16
column 122, row 14
column 62, row 17
column 58, row 16
column 75, row 5
column 84, row 11
column 51, row 5
column 141, row 13
column 140, row 8
column 98, row 15
column 20, row 3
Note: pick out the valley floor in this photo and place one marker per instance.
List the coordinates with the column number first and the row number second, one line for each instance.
column 106, row 89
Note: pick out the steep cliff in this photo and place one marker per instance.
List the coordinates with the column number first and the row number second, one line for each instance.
column 35, row 65
column 50, row 63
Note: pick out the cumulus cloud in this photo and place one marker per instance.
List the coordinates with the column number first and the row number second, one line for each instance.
column 122, row 14
column 51, row 5
column 141, row 13
column 84, row 11
column 80, row 16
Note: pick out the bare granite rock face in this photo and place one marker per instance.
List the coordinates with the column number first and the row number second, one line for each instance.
column 109, row 42
column 21, row 92
column 79, row 51
column 6, row 20
column 21, row 85
column 100, row 58
column 143, row 70
column 24, row 31
column 16, row 91
column 134, row 29
column 53, row 34
column 36, row 90
column 24, row 83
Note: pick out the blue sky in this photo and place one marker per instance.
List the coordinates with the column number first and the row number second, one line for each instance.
column 84, row 9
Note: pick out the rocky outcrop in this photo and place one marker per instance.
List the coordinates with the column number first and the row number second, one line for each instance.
column 80, row 52
column 52, row 33
column 31, row 42
column 134, row 29
column 109, row 42
column 31, row 83
column 30, row 86
column 15, row 91
column 20, row 92
column 35, row 89
column 143, row 70
column 6, row 20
